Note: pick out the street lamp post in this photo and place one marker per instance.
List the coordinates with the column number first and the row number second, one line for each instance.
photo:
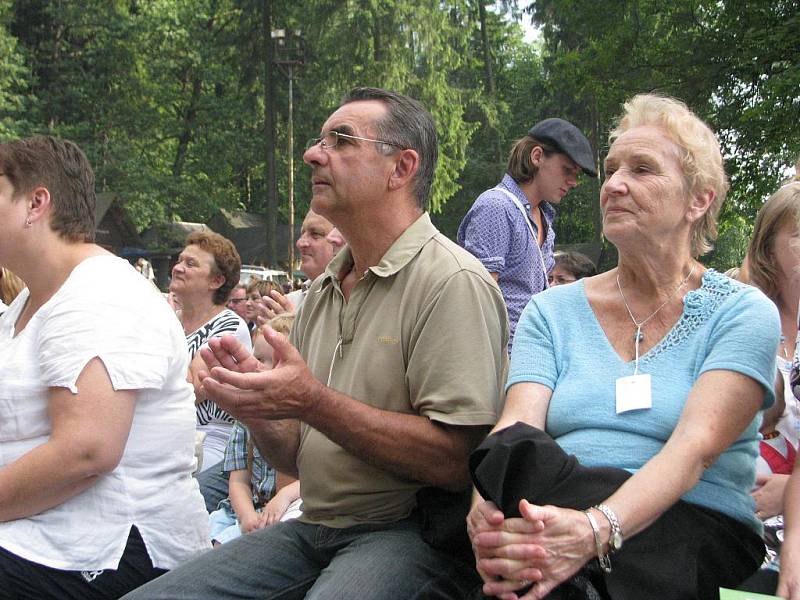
column 289, row 55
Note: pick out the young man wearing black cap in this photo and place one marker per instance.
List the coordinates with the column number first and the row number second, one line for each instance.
column 509, row 227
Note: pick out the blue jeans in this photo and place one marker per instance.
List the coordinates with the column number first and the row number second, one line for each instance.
column 213, row 484
column 293, row 560
column 223, row 526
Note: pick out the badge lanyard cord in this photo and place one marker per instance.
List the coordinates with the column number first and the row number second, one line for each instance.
column 639, row 324
column 521, row 208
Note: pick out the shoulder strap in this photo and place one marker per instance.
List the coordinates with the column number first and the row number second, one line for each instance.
column 527, row 219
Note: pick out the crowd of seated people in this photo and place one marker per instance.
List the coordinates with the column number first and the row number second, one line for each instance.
column 639, row 444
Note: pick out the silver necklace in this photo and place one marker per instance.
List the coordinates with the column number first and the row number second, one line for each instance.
column 639, row 336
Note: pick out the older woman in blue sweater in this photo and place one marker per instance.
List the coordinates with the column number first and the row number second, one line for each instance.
column 651, row 375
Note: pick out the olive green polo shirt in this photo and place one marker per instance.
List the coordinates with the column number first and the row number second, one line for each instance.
column 424, row 332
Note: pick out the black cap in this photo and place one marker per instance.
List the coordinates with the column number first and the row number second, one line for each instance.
column 568, row 139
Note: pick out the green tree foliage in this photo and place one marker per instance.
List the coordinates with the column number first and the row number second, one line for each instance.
column 14, row 79
column 173, row 100
column 735, row 63
column 410, row 47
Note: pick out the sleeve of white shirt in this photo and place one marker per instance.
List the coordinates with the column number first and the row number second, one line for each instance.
column 107, row 314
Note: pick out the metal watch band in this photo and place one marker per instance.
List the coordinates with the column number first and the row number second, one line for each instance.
column 615, row 541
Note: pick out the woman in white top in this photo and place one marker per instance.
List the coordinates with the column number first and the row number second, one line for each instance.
column 96, row 416
column 202, row 279
column 773, row 265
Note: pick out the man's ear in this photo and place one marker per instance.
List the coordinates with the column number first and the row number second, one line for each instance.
column 38, row 201
column 405, row 168
column 700, row 204
column 537, row 155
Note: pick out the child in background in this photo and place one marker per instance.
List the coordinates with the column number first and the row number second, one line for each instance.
column 258, row 495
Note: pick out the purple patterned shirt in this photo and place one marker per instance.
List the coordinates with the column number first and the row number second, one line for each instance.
column 496, row 233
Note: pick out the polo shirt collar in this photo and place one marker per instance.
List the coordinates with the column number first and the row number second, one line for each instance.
column 400, row 253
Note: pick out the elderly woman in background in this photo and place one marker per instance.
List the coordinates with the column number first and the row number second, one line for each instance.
column 97, row 425
column 651, row 375
column 206, row 272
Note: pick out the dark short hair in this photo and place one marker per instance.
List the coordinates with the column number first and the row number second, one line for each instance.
column 576, row 263
column 61, row 167
column 520, row 167
column 409, row 125
column 226, row 260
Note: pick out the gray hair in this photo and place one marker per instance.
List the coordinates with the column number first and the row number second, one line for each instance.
column 409, row 125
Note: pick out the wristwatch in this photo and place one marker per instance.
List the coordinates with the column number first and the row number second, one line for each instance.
column 615, row 541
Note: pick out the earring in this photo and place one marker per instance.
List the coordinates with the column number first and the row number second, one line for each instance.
column 28, row 222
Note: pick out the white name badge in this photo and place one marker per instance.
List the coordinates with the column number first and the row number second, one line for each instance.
column 634, row 393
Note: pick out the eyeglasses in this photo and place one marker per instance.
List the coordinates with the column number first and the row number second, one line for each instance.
column 331, row 140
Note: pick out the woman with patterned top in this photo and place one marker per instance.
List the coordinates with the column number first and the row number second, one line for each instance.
column 206, row 272
column 638, row 392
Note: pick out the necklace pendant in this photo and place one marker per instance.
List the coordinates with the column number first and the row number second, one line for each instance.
column 638, row 337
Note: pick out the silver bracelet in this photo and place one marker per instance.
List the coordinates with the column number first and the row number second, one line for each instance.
column 615, row 540
column 603, row 559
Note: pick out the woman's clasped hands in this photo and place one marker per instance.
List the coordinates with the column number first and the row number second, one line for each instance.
column 527, row 557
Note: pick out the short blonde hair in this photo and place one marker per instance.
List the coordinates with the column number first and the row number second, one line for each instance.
column 780, row 209
column 700, row 155
column 282, row 323
column 262, row 287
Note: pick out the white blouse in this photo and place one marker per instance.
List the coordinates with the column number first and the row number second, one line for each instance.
column 105, row 309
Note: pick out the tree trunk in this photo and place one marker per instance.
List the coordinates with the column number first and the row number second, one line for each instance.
column 488, row 73
column 185, row 137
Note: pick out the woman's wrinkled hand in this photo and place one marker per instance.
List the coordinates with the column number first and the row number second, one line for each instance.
column 495, row 538
column 546, row 547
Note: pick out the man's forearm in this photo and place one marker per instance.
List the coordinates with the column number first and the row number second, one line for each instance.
column 408, row 445
column 278, row 442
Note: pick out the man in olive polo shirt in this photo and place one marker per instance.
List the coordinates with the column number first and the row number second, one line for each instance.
column 393, row 375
